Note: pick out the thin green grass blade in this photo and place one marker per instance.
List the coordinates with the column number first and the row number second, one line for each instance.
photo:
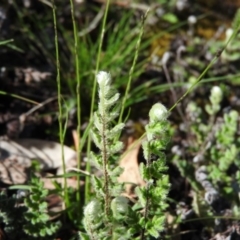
column 218, row 54
column 6, row 42
column 60, row 115
column 78, row 86
column 132, row 68
column 19, row 97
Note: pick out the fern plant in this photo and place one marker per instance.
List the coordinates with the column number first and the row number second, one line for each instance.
column 152, row 198
column 25, row 214
column 110, row 215
column 213, row 170
column 220, row 148
column 37, row 224
column 98, row 212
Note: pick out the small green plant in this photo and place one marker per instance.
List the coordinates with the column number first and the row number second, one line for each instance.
column 213, row 170
column 152, row 198
column 31, row 219
column 37, row 224
column 110, row 215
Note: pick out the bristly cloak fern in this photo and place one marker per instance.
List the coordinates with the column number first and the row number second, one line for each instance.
column 153, row 197
column 110, row 215
column 107, row 189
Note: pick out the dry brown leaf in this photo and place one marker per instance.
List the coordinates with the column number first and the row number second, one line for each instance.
column 16, row 156
column 129, row 162
column 54, row 201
